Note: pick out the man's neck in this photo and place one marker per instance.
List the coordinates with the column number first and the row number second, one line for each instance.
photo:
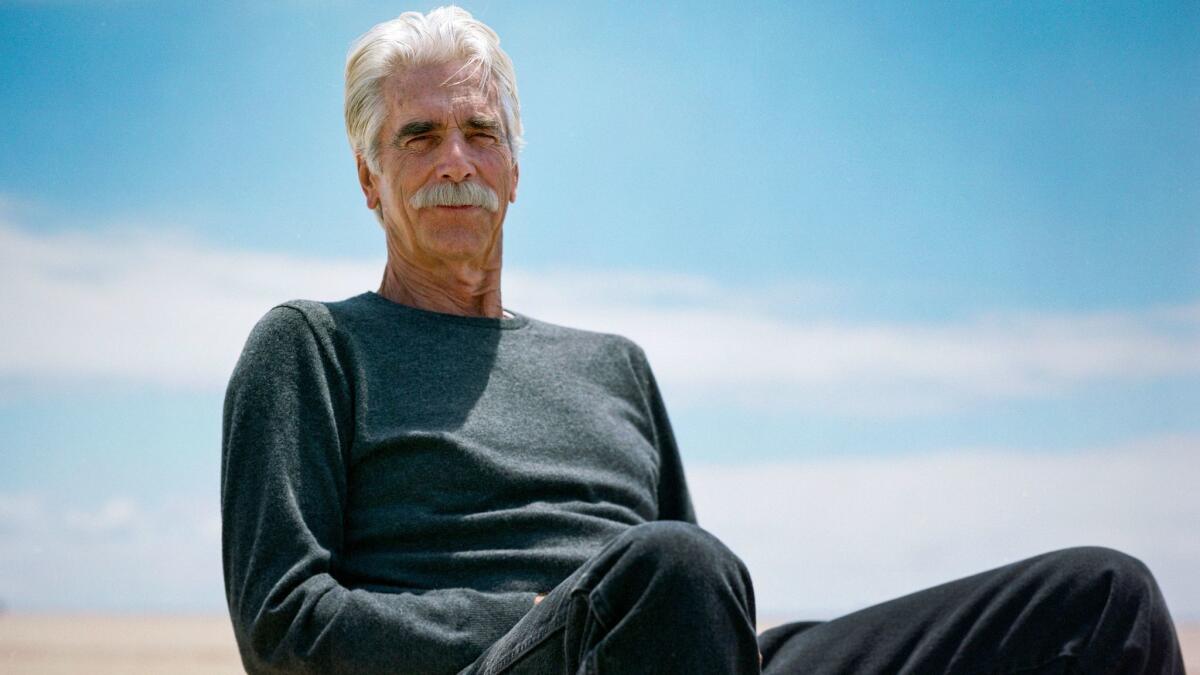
column 456, row 288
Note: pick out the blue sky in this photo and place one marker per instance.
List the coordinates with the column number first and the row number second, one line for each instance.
column 844, row 233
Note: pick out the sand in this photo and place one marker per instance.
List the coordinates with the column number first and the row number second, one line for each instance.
column 104, row 645
column 174, row 645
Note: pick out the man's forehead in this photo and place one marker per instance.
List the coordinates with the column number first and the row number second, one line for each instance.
column 433, row 89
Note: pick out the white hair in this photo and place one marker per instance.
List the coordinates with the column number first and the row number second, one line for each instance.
column 443, row 35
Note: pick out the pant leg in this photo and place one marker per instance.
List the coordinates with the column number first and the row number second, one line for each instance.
column 1082, row 610
column 663, row 597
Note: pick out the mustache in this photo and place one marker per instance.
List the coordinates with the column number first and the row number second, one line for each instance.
column 455, row 194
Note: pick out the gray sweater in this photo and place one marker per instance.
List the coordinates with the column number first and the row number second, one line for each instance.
column 397, row 485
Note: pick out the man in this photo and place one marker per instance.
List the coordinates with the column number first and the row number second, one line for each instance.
column 420, row 481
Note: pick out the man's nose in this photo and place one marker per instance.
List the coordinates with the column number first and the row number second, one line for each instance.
column 454, row 160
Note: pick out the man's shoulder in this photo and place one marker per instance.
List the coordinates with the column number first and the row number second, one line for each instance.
column 286, row 327
column 297, row 315
column 301, row 320
column 591, row 340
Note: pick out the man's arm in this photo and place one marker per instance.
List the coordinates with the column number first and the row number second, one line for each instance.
column 674, row 500
column 288, row 422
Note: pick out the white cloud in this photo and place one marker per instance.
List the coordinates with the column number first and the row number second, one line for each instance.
column 152, row 307
column 821, row 537
column 162, row 308
column 17, row 508
column 878, row 368
column 116, row 514
column 115, row 555
column 828, row 536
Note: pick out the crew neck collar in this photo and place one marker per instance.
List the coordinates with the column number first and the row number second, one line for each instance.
column 517, row 320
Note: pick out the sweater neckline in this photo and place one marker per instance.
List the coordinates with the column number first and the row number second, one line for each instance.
column 517, row 320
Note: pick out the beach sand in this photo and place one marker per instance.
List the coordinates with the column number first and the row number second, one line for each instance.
column 175, row 645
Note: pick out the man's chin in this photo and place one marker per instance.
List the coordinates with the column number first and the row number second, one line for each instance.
column 467, row 218
column 452, row 249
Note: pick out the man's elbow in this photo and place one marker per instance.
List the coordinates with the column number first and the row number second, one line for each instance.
column 269, row 645
column 284, row 637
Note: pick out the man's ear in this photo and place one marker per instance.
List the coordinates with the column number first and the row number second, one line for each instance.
column 366, row 180
column 516, row 175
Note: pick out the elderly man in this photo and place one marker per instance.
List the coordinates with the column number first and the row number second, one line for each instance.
column 420, row 481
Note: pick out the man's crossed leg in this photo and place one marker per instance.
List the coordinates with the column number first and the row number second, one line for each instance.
column 668, row 597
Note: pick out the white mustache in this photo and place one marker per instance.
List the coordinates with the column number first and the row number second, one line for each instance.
column 455, row 194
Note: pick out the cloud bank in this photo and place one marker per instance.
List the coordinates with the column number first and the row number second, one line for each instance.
column 161, row 308
column 121, row 554
column 825, row 537
column 820, row 537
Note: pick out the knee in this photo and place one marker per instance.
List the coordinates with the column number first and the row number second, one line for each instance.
column 672, row 565
column 1098, row 562
column 1127, row 581
column 1118, row 594
column 683, row 551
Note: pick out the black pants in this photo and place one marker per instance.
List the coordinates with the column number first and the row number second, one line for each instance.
column 668, row 598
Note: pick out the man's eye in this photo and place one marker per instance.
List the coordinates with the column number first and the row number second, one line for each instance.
column 419, row 142
column 483, row 137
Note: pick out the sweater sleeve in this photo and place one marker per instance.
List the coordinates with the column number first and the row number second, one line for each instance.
column 674, row 500
column 288, row 423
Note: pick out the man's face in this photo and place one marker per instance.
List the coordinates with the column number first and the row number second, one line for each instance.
column 439, row 130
